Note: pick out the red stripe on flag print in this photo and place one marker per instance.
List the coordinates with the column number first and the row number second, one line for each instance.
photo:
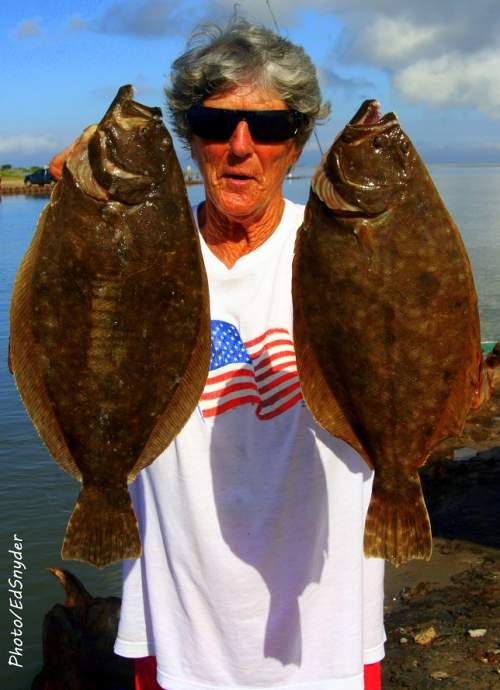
column 261, row 372
column 271, row 331
column 282, row 407
column 229, row 404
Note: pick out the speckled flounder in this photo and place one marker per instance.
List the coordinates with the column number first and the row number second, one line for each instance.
column 386, row 327
column 110, row 329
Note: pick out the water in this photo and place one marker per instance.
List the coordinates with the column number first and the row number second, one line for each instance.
column 37, row 497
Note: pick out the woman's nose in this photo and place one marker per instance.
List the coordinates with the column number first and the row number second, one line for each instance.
column 241, row 143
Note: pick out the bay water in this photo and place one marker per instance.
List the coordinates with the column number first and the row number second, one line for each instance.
column 37, row 497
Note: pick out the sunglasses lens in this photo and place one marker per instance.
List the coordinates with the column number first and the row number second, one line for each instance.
column 211, row 123
column 272, row 125
column 265, row 125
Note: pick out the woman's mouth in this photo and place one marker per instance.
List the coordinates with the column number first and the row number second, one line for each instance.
column 238, row 176
column 238, row 179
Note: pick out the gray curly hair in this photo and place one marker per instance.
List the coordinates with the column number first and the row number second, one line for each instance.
column 217, row 59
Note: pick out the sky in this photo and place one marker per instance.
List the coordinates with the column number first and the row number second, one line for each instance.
column 436, row 63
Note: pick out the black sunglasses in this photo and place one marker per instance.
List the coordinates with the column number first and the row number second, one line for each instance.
column 265, row 126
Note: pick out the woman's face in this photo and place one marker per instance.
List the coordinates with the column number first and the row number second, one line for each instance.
column 243, row 177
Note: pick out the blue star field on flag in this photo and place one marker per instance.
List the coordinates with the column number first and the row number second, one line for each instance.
column 227, row 346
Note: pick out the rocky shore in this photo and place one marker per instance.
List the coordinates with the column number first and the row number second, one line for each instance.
column 443, row 616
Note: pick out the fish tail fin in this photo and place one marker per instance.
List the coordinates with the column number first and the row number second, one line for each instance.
column 397, row 526
column 102, row 528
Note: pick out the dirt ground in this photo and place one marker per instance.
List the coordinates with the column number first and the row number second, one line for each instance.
column 443, row 616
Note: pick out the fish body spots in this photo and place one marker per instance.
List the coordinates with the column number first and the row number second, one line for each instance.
column 428, row 284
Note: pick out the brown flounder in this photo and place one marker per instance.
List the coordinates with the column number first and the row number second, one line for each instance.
column 110, row 329
column 386, row 326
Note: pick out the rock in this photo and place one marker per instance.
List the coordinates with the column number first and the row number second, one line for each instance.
column 78, row 640
column 440, row 675
column 426, row 636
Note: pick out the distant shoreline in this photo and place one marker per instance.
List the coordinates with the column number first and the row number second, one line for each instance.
column 10, row 179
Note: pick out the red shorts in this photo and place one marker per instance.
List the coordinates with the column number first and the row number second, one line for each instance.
column 145, row 675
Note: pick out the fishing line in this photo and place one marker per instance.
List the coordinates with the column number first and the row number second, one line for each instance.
column 268, row 3
column 273, row 17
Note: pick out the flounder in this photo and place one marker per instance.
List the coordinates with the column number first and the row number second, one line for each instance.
column 110, row 325
column 386, row 326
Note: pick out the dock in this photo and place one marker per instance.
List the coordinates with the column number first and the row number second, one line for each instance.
column 46, row 189
column 31, row 190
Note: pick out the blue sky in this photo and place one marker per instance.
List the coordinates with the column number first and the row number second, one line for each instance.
column 437, row 64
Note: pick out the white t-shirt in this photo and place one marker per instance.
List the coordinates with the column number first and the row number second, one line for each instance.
column 253, row 574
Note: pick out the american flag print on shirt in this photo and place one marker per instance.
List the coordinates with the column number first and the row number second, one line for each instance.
column 261, row 372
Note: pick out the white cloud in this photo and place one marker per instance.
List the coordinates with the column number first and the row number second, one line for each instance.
column 26, row 143
column 443, row 54
column 28, row 29
column 392, row 39
column 454, row 81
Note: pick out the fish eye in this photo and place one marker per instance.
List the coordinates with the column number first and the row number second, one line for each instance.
column 405, row 145
column 379, row 141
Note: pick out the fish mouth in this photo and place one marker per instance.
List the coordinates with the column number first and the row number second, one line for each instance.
column 368, row 121
column 124, row 108
column 369, row 113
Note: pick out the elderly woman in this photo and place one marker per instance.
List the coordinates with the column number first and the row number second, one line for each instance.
column 252, row 574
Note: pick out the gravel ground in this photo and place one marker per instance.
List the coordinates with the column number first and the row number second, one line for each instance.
column 442, row 616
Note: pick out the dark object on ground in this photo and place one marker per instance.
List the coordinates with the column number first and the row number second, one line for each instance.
column 463, row 499
column 41, row 176
column 78, row 639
